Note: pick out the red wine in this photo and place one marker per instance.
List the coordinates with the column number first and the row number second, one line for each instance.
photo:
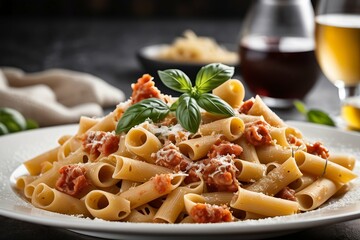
column 284, row 68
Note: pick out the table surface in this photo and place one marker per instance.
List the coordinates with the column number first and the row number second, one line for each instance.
column 107, row 48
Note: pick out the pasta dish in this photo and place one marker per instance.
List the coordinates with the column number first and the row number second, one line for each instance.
column 199, row 49
column 159, row 169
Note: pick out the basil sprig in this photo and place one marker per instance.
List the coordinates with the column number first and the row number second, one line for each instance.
column 187, row 107
column 314, row 115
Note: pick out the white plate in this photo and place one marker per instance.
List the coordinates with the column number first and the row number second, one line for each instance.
column 16, row 148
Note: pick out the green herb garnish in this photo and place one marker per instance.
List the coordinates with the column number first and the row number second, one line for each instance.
column 187, row 107
column 314, row 115
column 212, row 76
column 152, row 108
column 11, row 120
column 188, row 113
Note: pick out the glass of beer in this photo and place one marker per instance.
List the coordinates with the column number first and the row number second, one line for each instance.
column 276, row 50
column 337, row 39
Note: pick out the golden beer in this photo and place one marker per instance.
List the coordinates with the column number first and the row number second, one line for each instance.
column 338, row 47
column 350, row 112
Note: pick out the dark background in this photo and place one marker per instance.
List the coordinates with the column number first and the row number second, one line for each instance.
column 102, row 37
column 224, row 9
column 125, row 8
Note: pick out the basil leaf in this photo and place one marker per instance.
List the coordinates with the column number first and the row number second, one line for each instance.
column 152, row 108
column 211, row 76
column 314, row 115
column 317, row 116
column 213, row 104
column 176, row 80
column 31, row 124
column 3, row 129
column 12, row 119
column 300, row 106
column 188, row 113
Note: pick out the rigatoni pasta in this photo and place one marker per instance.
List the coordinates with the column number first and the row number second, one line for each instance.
column 50, row 199
column 248, row 166
column 317, row 193
column 232, row 92
column 107, row 206
column 262, row 204
column 173, row 205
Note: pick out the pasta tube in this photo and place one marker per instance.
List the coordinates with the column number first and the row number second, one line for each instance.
column 319, row 167
column 249, row 152
column 107, row 206
column 50, row 199
column 277, row 179
column 262, row 204
column 347, row 161
column 34, row 165
column 156, row 187
column 316, row 193
column 144, row 213
column 100, row 174
column 142, row 143
column 249, row 171
column 135, row 170
column 282, row 135
column 85, row 123
column 49, row 178
column 197, row 148
column 232, row 128
column 273, row 153
column 174, row 202
column 259, row 108
column 231, row 91
column 217, row 198
column 302, row 182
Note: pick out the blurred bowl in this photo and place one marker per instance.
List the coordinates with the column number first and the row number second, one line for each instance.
column 149, row 59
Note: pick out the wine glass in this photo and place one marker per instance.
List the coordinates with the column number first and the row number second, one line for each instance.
column 337, row 39
column 277, row 51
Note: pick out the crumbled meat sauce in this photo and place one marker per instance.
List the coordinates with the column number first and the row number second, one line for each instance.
column 162, row 183
column 72, row 179
column 287, row 194
column 218, row 170
column 318, row 149
column 193, row 174
column 206, row 213
column 169, row 156
column 223, row 147
column 218, row 173
column 144, row 88
column 257, row 133
column 291, row 139
column 246, row 106
column 97, row 142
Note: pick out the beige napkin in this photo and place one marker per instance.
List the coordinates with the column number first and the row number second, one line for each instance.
column 56, row 96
